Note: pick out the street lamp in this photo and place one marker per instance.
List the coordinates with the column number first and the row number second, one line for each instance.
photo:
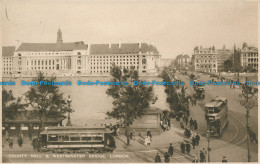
column 208, row 136
column 248, row 93
column 69, row 111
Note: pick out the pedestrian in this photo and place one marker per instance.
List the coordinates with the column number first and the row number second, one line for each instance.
column 182, row 148
column 205, row 152
column 193, row 142
column 195, row 125
column 224, row 160
column 186, row 120
column 187, row 146
column 252, row 135
column 147, row 141
column 191, row 123
column 188, row 133
column 197, row 138
column 118, row 130
column 169, row 123
column 11, row 143
column 20, row 141
column 34, row 144
column 38, row 145
column 133, row 135
column 148, row 133
column 166, row 157
column 202, row 156
column 158, row 158
column 170, row 150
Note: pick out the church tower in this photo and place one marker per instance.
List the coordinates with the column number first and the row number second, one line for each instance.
column 59, row 36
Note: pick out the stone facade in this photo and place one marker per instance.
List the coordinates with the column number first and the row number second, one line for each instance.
column 78, row 58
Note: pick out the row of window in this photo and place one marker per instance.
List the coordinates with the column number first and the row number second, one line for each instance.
column 8, row 65
column 47, row 53
column 252, row 60
column 115, row 60
column 75, row 137
column 8, row 59
column 250, row 55
column 205, row 61
column 94, row 56
column 104, row 63
column 107, row 67
column 205, row 66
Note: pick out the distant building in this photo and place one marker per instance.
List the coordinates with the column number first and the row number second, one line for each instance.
column 182, row 61
column 249, row 56
column 205, row 59
column 7, row 59
column 223, row 55
column 78, row 58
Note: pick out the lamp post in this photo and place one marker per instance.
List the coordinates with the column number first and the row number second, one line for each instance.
column 208, row 136
column 247, row 93
column 69, row 111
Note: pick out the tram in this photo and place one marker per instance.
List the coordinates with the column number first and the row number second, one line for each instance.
column 216, row 115
column 74, row 139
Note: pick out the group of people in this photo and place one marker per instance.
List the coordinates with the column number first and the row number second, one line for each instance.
column 114, row 128
column 167, row 155
column 165, row 122
column 36, row 144
column 10, row 141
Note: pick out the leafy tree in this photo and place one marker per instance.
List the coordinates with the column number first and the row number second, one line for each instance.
column 130, row 101
column 11, row 106
column 228, row 64
column 46, row 100
column 178, row 101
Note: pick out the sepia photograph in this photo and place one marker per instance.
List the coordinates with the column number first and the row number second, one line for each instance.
column 129, row 81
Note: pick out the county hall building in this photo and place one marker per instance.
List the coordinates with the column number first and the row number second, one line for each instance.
column 79, row 58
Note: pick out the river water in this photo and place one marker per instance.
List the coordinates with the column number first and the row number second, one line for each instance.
column 89, row 103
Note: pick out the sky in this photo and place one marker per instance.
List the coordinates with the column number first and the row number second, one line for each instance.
column 173, row 26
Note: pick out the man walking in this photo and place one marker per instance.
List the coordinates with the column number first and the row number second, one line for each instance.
column 197, row 138
column 191, row 123
column 193, row 142
column 170, row 150
column 158, row 158
column 187, row 147
column 202, row 156
column 166, row 157
column 182, row 148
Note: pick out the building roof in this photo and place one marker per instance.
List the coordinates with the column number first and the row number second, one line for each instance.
column 8, row 51
column 124, row 48
column 52, row 46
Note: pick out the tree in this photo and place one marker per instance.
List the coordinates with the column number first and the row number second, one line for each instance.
column 11, row 106
column 178, row 101
column 130, row 101
column 228, row 64
column 46, row 100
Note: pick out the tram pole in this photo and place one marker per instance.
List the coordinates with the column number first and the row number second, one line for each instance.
column 208, row 136
column 247, row 128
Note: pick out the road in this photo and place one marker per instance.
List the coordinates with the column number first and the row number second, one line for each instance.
column 234, row 137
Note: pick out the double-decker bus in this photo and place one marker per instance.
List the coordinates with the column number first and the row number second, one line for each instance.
column 70, row 139
column 216, row 115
